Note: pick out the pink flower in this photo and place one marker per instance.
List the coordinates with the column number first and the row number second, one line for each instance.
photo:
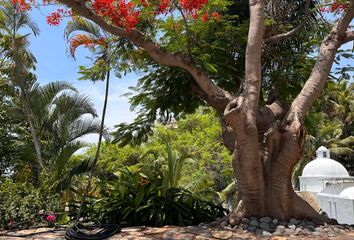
column 51, row 218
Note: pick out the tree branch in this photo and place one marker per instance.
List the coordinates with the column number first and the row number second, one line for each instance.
column 253, row 67
column 154, row 50
column 349, row 36
column 277, row 38
column 320, row 72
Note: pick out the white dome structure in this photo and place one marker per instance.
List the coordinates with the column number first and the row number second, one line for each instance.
column 324, row 167
column 331, row 185
column 321, row 171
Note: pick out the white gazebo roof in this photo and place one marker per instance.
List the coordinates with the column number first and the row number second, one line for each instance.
column 348, row 193
column 325, row 167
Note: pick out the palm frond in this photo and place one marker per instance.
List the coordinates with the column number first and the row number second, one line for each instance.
column 83, row 25
column 83, row 126
column 341, row 151
column 79, row 40
column 65, row 153
column 348, row 141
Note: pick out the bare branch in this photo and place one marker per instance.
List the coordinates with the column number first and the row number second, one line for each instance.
column 155, row 51
column 349, row 36
column 320, row 72
column 277, row 38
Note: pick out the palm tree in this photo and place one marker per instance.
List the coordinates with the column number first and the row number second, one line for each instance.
column 61, row 117
column 66, row 116
column 15, row 49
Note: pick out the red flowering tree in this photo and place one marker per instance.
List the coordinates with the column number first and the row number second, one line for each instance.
column 268, row 139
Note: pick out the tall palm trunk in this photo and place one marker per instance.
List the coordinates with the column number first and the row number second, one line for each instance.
column 94, row 163
column 20, row 81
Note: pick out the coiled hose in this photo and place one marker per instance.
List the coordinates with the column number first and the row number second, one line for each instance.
column 91, row 232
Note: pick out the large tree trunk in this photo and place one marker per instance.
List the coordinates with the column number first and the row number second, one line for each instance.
column 265, row 189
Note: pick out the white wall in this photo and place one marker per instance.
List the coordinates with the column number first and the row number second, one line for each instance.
column 339, row 208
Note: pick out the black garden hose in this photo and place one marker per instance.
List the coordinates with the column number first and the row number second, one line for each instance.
column 91, row 232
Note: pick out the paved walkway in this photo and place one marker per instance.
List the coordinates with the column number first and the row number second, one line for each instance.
column 169, row 233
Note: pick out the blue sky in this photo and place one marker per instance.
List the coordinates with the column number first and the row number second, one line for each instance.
column 54, row 64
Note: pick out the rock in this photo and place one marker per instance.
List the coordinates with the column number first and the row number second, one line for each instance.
column 201, row 238
column 272, row 225
column 298, row 231
column 341, row 231
column 292, row 226
column 152, row 231
column 258, row 232
column 169, row 235
column 316, row 233
column 301, row 223
column 265, row 233
column 288, row 231
column 265, row 220
column 245, row 220
column 264, row 225
column 220, row 234
column 282, row 223
column 133, row 229
column 251, row 228
column 275, row 221
column 306, row 232
column 244, row 226
column 276, row 233
column 309, row 227
column 309, row 223
column 280, row 228
column 200, row 231
column 293, row 221
column 254, row 222
column 318, row 229
column 328, row 230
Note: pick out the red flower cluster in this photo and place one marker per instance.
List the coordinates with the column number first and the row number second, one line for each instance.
column 56, row 17
column 23, row 5
column 50, row 218
column 121, row 13
column 336, row 6
column 216, row 16
column 163, row 7
column 192, row 5
column 124, row 13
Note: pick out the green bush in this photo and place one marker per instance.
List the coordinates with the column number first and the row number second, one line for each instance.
column 22, row 205
column 140, row 197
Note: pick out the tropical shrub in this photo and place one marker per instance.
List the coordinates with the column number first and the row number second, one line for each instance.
column 22, row 205
column 139, row 195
